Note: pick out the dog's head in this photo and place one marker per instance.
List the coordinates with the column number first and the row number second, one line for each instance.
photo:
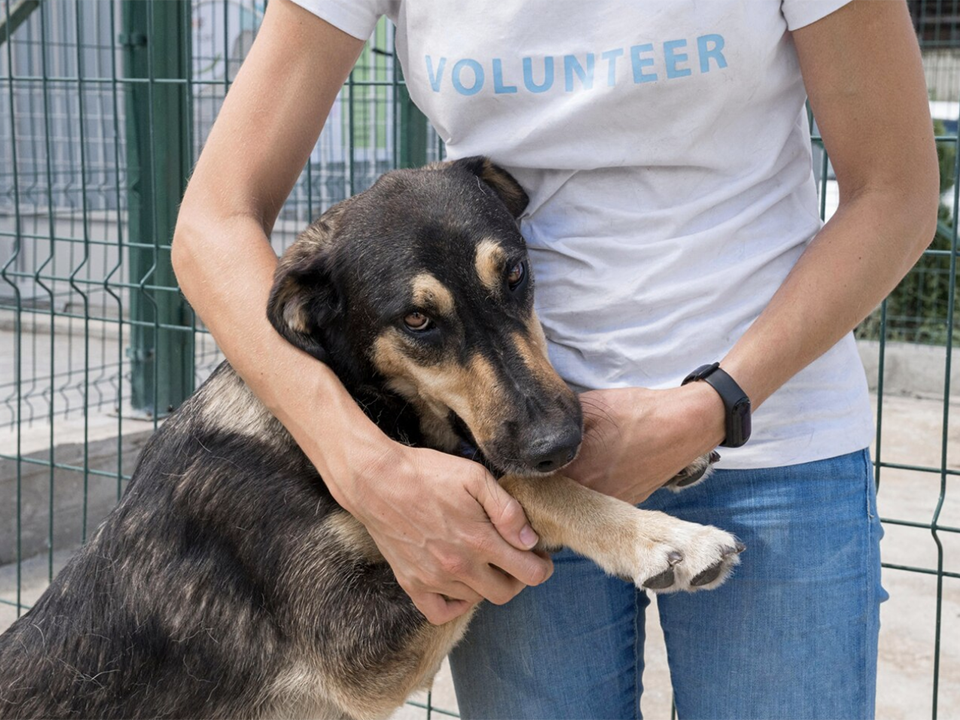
column 421, row 287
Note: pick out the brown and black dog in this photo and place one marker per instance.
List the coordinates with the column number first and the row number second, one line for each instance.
column 229, row 584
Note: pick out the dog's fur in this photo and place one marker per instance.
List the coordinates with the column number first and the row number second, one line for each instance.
column 229, row 583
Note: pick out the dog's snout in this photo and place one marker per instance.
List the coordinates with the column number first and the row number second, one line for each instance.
column 552, row 451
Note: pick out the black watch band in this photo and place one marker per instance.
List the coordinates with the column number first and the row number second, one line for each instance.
column 735, row 402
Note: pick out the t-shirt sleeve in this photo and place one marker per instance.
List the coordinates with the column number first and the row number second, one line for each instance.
column 803, row 12
column 354, row 17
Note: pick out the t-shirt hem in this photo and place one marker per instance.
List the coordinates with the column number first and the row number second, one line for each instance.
column 344, row 17
column 800, row 13
column 783, row 453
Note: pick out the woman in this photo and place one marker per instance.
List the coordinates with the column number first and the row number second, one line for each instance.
column 672, row 223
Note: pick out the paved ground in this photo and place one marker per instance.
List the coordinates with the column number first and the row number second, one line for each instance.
column 911, row 435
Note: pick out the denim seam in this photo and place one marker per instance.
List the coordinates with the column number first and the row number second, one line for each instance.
column 868, row 553
column 636, row 654
column 865, row 683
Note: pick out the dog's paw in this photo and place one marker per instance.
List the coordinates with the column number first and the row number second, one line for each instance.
column 694, row 474
column 686, row 556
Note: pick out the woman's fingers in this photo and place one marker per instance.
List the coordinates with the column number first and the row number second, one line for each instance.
column 449, row 531
column 504, row 511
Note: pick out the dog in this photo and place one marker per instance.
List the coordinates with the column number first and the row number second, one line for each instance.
column 228, row 583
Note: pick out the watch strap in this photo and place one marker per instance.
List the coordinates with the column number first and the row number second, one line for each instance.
column 736, row 403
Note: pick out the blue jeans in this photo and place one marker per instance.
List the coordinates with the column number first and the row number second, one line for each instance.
column 793, row 634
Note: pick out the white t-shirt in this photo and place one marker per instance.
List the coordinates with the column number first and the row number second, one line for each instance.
column 665, row 149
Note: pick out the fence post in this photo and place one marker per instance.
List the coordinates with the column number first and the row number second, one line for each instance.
column 156, row 46
column 413, row 131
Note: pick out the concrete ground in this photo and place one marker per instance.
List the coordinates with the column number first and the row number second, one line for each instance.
column 912, row 435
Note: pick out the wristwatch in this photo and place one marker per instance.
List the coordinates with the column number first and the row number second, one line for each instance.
column 735, row 402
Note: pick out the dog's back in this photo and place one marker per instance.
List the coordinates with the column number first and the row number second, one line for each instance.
column 215, row 588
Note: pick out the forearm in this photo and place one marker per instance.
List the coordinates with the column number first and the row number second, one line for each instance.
column 263, row 136
column 864, row 77
column 853, row 263
column 225, row 268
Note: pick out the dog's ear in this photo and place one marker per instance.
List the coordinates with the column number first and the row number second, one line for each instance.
column 499, row 180
column 304, row 300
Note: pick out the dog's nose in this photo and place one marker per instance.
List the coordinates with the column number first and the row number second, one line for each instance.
column 553, row 451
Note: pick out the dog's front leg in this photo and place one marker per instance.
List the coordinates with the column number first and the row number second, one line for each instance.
column 651, row 549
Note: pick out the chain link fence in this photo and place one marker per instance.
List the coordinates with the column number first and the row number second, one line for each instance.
column 104, row 106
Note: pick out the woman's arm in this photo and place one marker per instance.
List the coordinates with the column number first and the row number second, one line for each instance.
column 862, row 70
column 432, row 521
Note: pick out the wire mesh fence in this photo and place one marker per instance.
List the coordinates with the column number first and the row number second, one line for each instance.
column 98, row 345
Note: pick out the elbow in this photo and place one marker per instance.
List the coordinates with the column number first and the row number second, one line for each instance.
column 209, row 242
column 928, row 204
column 917, row 226
column 921, row 202
column 912, row 208
column 897, row 192
column 183, row 249
column 921, row 223
column 179, row 252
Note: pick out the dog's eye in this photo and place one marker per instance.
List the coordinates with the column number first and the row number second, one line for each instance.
column 516, row 275
column 417, row 321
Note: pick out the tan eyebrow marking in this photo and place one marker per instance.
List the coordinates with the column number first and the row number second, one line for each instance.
column 536, row 336
column 489, row 264
column 429, row 292
column 532, row 348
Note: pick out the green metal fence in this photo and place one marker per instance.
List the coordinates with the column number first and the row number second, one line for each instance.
column 104, row 106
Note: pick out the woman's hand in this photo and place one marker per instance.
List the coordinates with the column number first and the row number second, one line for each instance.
column 448, row 530
column 636, row 439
